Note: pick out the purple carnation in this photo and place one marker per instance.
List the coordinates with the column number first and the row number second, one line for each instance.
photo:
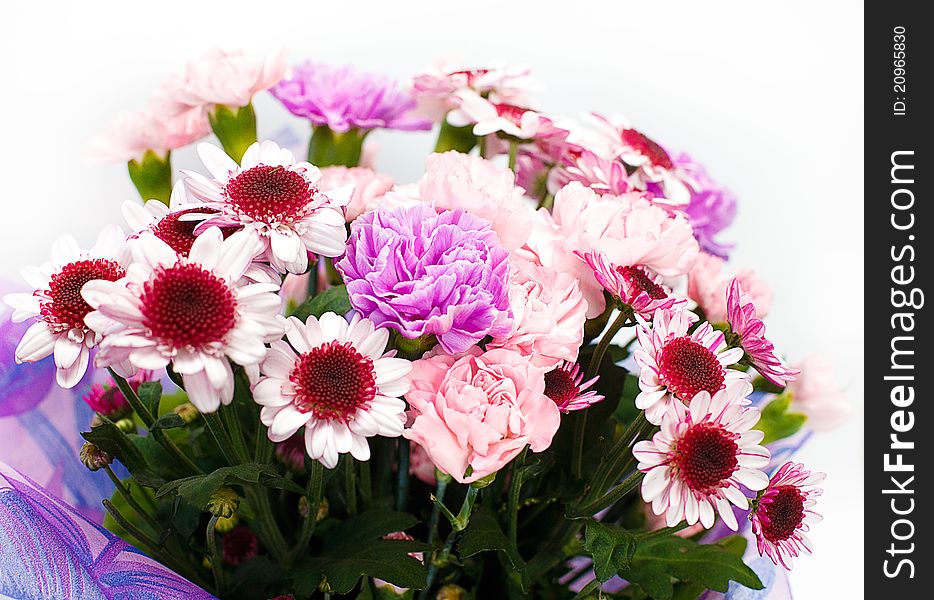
column 712, row 208
column 344, row 98
column 421, row 272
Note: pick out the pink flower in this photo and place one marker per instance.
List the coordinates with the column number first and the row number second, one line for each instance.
column 626, row 230
column 495, row 117
column 782, row 514
column 368, row 187
column 107, row 399
column 421, row 466
column 707, row 286
column 549, row 314
column 565, row 385
column 133, row 133
column 604, row 176
column 435, row 88
column 454, row 180
column 676, row 365
column 636, row 287
column 475, row 412
column 760, row 352
column 221, row 78
column 817, row 394
column 696, row 464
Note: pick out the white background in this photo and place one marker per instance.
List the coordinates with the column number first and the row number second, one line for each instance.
column 768, row 96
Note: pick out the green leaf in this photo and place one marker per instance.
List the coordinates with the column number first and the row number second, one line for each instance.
column 354, row 549
column 711, row 565
column 612, row 548
column 776, row 422
column 150, row 393
column 333, row 299
column 198, row 489
column 483, row 533
column 169, row 421
column 112, row 440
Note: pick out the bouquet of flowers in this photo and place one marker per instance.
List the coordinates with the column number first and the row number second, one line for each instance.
column 526, row 375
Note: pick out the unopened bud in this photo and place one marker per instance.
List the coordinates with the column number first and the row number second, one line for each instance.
column 187, row 412
column 93, row 457
column 323, row 510
column 126, row 425
column 223, row 502
column 451, row 591
column 226, row 524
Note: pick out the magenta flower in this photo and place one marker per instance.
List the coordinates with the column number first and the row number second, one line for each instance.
column 344, row 98
column 566, row 386
column 424, row 272
column 750, row 329
column 711, row 209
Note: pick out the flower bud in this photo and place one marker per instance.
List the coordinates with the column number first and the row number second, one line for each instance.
column 187, row 412
column 226, row 524
column 223, row 502
column 93, row 457
column 126, row 425
column 451, row 591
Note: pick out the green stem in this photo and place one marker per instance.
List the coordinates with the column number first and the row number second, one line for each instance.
column 216, row 427
column 440, row 488
column 232, row 421
column 313, row 492
column 458, row 524
column 268, row 528
column 210, row 535
column 350, row 481
column 617, row 459
column 402, row 490
column 148, row 419
column 366, row 486
column 580, row 425
column 513, row 152
column 620, row 491
column 664, row 531
column 515, row 491
column 264, row 449
column 130, row 528
column 131, row 501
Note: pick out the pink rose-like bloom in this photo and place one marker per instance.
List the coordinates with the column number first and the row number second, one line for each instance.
column 222, row 78
column 454, row 180
column 435, row 89
column 368, row 187
column 549, row 314
column 420, row 465
column 707, row 285
column 479, row 410
column 817, row 394
column 628, row 230
column 133, row 133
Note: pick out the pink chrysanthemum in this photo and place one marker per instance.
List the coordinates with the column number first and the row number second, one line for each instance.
column 782, row 514
column 676, row 365
column 338, row 382
column 488, row 116
column 58, row 307
column 107, row 399
column 696, row 464
column 636, row 286
column 604, row 176
column 750, row 330
column 274, row 198
column 435, row 90
column 191, row 312
column 566, row 386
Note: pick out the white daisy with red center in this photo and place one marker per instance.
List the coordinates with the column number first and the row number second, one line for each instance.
column 276, row 200
column 489, row 117
column 57, row 304
column 677, row 365
column 781, row 515
column 694, row 466
column 194, row 312
column 651, row 163
column 335, row 379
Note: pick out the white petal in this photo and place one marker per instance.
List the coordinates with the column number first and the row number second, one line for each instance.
column 37, row 343
column 360, row 449
column 217, row 162
column 66, row 352
column 391, row 369
column 70, row 376
column 286, row 423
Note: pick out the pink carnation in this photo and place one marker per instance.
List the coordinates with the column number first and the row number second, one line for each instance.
column 817, row 394
column 420, row 465
column 222, row 78
column 368, row 187
column 133, row 133
column 707, row 285
column 628, row 230
column 549, row 312
column 478, row 410
column 454, row 180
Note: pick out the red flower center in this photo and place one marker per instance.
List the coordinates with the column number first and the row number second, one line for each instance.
column 470, row 75
column 784, row 514
column 641, row 282
column 647, row 148
column 333, row 381
column 270, row 194
column 64, row 308
column 686, row 368
column 706, row 455
column 186, row 306
column 238, row 546
column 511, row 113
column 180, row 234
column 560, row 387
